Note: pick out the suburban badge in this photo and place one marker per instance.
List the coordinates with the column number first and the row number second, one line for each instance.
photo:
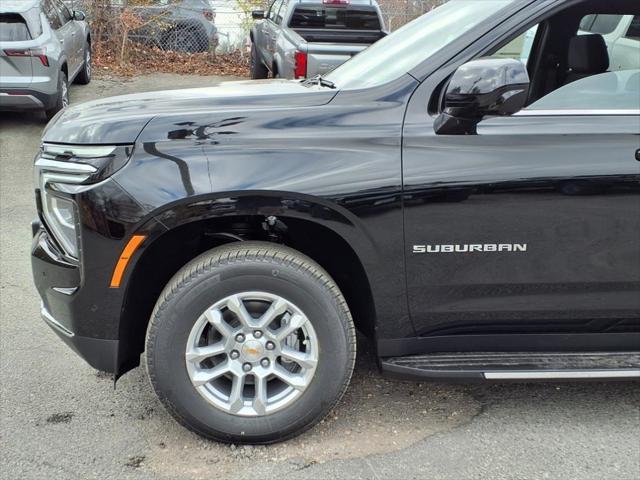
column 471, row 248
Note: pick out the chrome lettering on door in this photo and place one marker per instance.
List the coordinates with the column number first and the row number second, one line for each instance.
column 471, row 248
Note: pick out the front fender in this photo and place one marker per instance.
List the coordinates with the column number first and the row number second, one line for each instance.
column 337, row 163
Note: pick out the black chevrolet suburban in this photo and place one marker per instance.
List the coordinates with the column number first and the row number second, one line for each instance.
column 465, row 193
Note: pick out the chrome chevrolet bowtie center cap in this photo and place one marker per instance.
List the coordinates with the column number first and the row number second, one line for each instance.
column 252, row 351
column 252, row 354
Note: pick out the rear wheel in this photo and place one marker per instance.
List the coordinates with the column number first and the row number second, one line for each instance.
column 62, row 100
column 84, row 77
column 258, row 69
column 250, row 343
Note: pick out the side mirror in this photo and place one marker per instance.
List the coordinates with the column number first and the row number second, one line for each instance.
column 257, row 14
column 479, row 88
column 78, row 15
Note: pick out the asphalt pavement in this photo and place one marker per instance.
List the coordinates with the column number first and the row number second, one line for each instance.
column 59, row 419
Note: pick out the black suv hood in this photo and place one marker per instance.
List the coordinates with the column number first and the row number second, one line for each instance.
column 119, row 120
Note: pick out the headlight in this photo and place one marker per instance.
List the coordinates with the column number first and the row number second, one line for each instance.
column 59, row 168
column 61, row 218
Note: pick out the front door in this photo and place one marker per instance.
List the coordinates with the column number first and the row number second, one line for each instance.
column 532, row 226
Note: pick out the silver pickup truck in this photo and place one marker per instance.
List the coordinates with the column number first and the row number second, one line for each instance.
column 304, row 38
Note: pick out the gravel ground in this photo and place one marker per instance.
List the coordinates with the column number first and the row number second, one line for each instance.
column 62, row 420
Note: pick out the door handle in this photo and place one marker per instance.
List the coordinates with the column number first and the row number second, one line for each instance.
column 638, row 155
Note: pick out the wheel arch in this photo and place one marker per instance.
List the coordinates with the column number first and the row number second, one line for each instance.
column 192, row 228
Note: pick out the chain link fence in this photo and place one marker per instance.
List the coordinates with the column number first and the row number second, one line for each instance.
column 184, row 26
column 124, row 30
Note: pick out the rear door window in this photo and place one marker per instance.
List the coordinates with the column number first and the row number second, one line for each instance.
column 281, row 13
column 50, row 11
column 63, row 11
column 273, row 11
column 13, row 28
column 323, row 16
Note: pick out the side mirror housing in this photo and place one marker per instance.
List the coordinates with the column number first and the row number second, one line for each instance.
column 78, row 15
column 257, row 14
column 482, row 87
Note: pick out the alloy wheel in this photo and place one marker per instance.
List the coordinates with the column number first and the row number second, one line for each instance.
column 87, row 62
column 65, row 93
column 252, row 354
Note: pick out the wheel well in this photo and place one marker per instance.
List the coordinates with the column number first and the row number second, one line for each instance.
column 65, row 69
column 166, row 255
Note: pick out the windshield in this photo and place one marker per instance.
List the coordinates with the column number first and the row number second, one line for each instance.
column 408, row 46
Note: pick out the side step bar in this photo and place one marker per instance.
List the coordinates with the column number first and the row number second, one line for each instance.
column 515, row 366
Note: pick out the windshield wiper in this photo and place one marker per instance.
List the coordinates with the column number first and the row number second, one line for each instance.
column 320, row 82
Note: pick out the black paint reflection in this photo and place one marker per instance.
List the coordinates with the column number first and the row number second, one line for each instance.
column 183, row 168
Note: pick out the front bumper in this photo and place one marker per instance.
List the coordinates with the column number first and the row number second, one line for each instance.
column 100, row 353
column 64, row 305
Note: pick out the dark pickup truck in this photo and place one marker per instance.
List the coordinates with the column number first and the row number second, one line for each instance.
column 466, row 198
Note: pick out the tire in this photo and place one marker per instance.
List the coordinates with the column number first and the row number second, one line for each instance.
column 258, row 69
column 62, row 100
column 84, row 77
column 261, row 269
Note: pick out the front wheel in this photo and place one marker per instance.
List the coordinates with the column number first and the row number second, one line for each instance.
column 250, row 343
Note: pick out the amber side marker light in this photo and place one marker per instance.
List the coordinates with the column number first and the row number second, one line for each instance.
column 123, row 261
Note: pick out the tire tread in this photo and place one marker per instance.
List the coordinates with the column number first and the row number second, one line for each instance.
column 238, row 253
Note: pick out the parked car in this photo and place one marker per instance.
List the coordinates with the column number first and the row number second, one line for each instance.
column 43, row 48
column 182, row 26
column 305, row 38
column 474, row 216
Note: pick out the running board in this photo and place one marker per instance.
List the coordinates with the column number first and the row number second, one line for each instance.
column 515, row 366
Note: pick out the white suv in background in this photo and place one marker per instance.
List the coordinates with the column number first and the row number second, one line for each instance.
column 43, row 48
